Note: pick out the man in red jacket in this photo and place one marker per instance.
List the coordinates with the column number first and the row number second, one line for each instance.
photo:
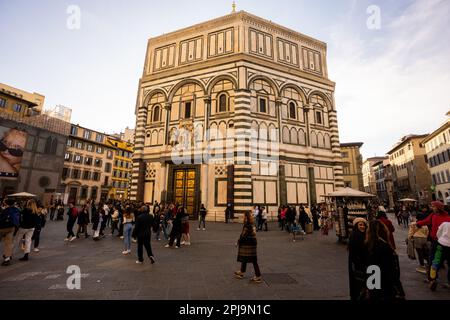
column 435, row 219
column 384, row 219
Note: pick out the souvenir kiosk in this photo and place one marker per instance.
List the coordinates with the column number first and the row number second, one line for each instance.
column 346, row 205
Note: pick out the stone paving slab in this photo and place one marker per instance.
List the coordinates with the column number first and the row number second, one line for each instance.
column 313, row 268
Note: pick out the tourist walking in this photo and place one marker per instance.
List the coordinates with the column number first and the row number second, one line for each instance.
column 97, row 221
column 115, row 220
column 247, row 252
column 406, row 216
column 9, row 224
column 264, row 218
column 176, row 229
column 128, row 220
column 315, row 217
column 357, row 267
column 202, row 217
column 29, row 219
column 42, row 214
column 72, row 215
column 185, row 235
column 83, row 221
column 143, row 230
column 303, row 218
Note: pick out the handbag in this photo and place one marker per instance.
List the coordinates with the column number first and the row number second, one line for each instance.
column 410, row 249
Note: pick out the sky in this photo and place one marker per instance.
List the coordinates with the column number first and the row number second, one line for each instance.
column 392, row 74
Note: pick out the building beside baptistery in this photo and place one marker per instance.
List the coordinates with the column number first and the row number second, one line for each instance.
column 235, row 111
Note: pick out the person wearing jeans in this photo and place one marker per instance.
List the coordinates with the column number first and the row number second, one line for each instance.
column 128, row 219
column 202, row 217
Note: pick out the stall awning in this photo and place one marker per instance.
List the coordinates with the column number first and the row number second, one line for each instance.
column 349, row 192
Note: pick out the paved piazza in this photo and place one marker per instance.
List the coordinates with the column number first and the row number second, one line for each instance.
column 315, row 268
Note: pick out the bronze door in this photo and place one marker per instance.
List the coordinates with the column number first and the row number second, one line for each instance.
column 184, row 186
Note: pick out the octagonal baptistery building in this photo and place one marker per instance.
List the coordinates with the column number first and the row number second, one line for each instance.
column 237, row 111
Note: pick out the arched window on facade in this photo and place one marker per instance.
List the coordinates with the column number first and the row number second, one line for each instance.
column 273, row 133
column 313, row 139
column 255, row 130
column 156, row 114
column 286, row 135
column 263, row 132
column 294, row 136
column 327, row 141
column 51, row 144
column 301, row 137
column 320, row 141
column 292, row 110
column 222, row 103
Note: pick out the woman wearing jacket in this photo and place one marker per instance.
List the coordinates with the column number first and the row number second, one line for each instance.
column 83, row 221
column 28, row 222
column 384, row 219
column 357, row 259
column 381, row 253
column 42, row 213
column 247, row 248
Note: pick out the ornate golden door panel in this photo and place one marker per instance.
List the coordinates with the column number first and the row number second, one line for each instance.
column 185, row 189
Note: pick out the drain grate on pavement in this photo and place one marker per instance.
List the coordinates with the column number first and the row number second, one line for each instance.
column 278, row 278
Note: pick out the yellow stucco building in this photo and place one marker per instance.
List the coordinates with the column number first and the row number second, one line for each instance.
column 122, row 167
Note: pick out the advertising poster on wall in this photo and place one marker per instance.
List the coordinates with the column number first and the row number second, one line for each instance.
column 12, row 148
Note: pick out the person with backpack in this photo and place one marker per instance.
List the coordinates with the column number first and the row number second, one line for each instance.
column 72, row 214
column 9, row 223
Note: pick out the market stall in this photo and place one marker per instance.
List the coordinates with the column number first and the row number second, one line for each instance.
column 347, row 204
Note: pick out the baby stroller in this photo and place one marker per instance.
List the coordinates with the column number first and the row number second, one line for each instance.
column 60, row 214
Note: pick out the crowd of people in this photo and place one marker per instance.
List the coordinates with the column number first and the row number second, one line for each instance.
column 21, row 223
column 371, row 243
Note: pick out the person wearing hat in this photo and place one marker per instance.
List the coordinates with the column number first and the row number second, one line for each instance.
column 438, row 217
column 357, row 259
column 381, row 215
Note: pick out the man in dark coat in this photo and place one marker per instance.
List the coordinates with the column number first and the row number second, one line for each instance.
column 176, row 229
column 143, row 230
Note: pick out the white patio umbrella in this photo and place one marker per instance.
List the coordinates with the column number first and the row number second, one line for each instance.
column 22, row 195
column 407, row 200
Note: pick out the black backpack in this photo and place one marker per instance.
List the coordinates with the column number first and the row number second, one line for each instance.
column 5, row 219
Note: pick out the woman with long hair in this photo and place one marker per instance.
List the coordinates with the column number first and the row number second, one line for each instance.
column 128, row 220
column 247, row 248
column 357, row 259
column 28, row 221
column 381, row 253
